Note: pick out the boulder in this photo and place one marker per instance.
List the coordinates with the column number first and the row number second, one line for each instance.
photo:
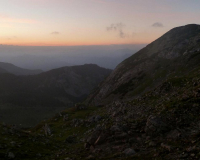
column 93, row 119
column 102, row 138
column 115, row 128
column 70, row 139
column 165, row 146
column 93, row 138
column 80, row 106
column 11, row 155
column 174, row 134
column 47, row 130
column 90, row 157
column 129, row 152
column 155, row 126
column 65, row 117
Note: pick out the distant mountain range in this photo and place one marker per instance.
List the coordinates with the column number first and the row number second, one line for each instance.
column 10, row 68
column 47, row 58
column 46, row 92
column 56, row 87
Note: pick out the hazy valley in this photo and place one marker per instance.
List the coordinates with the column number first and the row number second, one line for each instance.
column 49, row 57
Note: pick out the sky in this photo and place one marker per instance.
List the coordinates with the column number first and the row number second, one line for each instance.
column 92, row 22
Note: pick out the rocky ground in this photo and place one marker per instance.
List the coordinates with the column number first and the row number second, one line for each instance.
column 161, row 124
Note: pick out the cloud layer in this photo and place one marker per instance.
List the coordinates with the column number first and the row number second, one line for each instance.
column 55, row 33
column 8, row 19
column 119, row 28
column 158, row 25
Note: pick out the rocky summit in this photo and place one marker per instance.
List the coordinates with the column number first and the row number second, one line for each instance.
column 175, row 53
column 148, row 108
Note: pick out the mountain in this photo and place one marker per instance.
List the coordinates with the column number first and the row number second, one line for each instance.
column 3, row 70
column 33, row 61
column 173, row 54
column 70, row 83
column 148, row 108
column 10, row 68
column 46, row 93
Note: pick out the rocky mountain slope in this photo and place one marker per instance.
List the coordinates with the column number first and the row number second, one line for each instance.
column 160, row 120
column 161, row 124
column 176, row 52
column 10, row 68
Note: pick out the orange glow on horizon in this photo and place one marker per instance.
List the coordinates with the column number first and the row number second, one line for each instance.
column 91, row 22
column 68, row 44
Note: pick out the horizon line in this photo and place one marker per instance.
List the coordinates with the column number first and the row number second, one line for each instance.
column 72, row 45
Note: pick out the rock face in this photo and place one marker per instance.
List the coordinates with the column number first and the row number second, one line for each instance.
column 151, row 65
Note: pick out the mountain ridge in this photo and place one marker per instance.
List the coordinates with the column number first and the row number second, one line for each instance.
column 162, row 53
column 10, row 68
column 48, row 92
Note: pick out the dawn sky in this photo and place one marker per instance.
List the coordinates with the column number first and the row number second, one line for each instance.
column 92, row 22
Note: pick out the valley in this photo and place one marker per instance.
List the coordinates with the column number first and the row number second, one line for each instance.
column 26, row 100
